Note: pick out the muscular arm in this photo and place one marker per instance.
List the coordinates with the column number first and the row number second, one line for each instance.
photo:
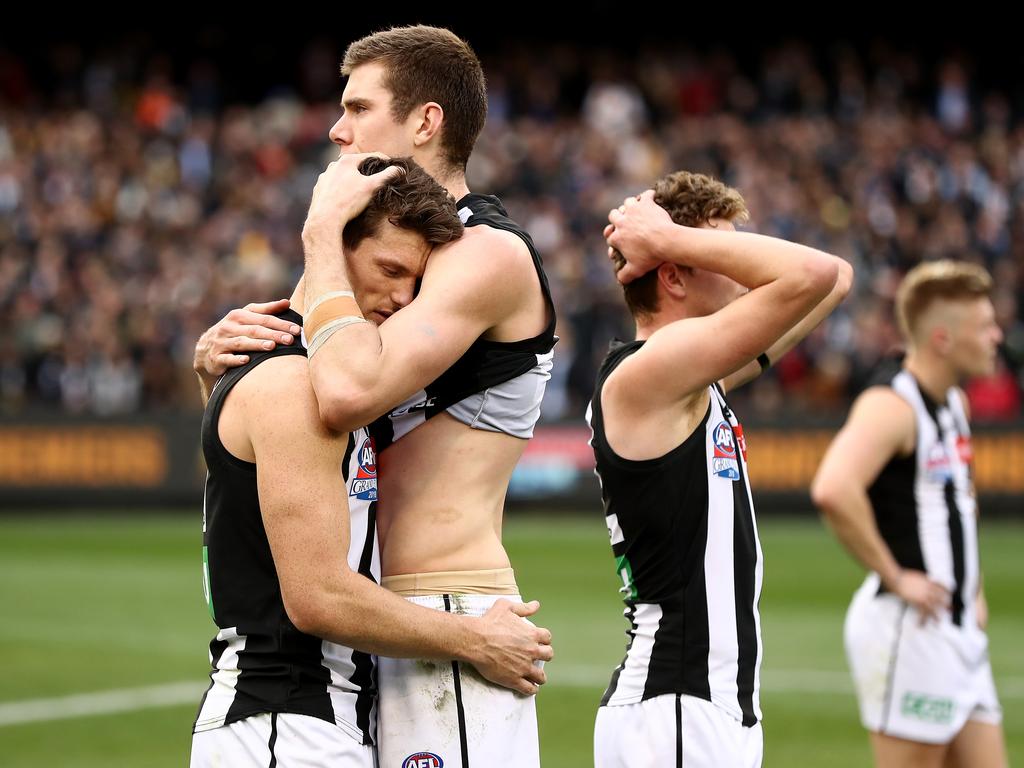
column 469, row 287
column 302, row 499
column 800, row 331
column 880, row 426
column 787, row 281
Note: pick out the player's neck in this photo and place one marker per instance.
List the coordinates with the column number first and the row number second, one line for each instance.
column 934, row 375
column 647, row 325
column 452, row 180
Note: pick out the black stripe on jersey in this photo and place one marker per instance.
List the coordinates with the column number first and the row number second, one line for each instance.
column 890, row 677
column 457, row 679
column 895, row 510
column 664, row 662
column 259, row 687
column 273, row 739
column 744, row 562
column 365, row 671
column 630, row 614
column 956, row 528
column 217, row 648
column 686, row 616
column 956, row 539
column 696, row 633
column 679, row 731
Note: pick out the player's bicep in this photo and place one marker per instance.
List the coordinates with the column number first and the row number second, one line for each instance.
column 461, row 297
column 690, row 354
column 301, row 489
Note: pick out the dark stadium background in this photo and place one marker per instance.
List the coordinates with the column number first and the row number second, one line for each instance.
column 99, row 513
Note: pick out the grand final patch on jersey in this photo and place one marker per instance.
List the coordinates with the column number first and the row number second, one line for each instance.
column 937, row 465
column 364, row 484
column 724, row 462
column 423, row 760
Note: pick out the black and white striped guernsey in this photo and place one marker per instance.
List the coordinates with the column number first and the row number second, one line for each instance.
column 924, row 503
column 260, row 661
column 496, row 385
column 685, row 543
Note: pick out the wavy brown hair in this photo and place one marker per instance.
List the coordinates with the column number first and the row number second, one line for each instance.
column 413, row 201
column 691, row 199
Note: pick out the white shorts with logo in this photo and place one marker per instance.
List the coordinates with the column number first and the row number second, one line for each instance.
column 920, row 683
column 674, row 730
column 444, row 713
column 282, row 739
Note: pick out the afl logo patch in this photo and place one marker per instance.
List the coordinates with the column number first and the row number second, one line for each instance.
column 364, row 484
column 423, row 760
column 723, row 462
column 367, row 459
column 725, row 443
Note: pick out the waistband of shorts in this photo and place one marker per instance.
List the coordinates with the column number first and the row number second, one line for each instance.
column 495, row 581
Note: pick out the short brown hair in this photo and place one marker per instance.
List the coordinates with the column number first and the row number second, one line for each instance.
column 691, row 199
column 413, row 201
column 429, row 64
column 934, row 281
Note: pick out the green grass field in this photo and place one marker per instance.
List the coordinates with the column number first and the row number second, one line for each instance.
column 96, row 603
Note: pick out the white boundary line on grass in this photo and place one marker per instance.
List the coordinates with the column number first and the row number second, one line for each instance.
column 121, row 700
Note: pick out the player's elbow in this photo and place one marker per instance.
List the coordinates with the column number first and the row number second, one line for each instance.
column 309, row 610
column 345, row 406
column 844, row 280
column 818, row 277
column 326, row 609
column 826, row 495
column 303, row 613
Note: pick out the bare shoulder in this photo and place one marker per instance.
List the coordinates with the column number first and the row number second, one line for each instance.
column 485, row 248
column 487, row 272
column 881, row 402
column 628, row 391
column 882, row 410
column 278, row 393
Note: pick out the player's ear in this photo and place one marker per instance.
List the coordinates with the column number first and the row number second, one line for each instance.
column 942, row 339
column 427, row 120
column 672, row 279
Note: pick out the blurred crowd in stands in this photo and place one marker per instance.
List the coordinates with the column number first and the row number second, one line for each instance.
column 138, row 204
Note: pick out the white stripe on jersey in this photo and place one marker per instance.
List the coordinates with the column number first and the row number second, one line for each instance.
column 614, row 531
column 223, row 678
column 758, row 568
column 720, row 574
column 633, row 671
column 938, row 457
column 719, row 578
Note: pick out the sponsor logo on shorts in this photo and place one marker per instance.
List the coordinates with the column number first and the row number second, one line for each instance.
column 724, row 463
column 423, row 760
column 364, row 484
column 924, row 707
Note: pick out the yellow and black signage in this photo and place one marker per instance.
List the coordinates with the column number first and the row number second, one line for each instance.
column 83, row 457
column 787, row 460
